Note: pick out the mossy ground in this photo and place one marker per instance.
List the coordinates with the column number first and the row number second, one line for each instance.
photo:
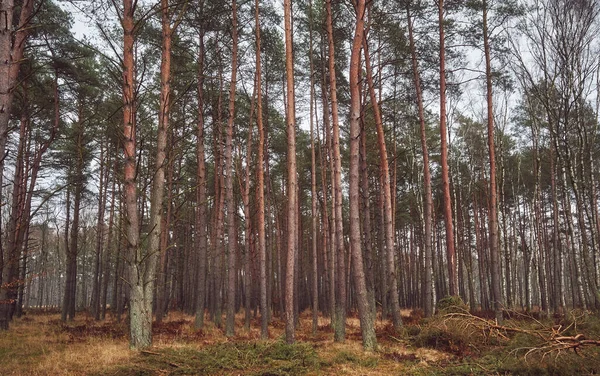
column 39, row 344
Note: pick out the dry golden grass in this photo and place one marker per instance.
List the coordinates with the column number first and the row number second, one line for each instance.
column 35, row 345
column 39, row 344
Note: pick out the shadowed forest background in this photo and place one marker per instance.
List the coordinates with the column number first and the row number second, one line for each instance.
column 400, row 173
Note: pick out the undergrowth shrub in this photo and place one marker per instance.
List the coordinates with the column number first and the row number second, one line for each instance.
column 451, row 304
column 256, row 358
column 361, row 360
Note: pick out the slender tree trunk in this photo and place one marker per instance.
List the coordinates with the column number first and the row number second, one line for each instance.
column 200, row 228
column 76, row 180
column 97, row 280
column 68, row 272
column 74, row 246
column 387, row 197
column 367, row 321
column 313, row 184
column 218, row 215
column 331, row 228
column 493, row 217
column 447, row 207
column 292, row 176
column 15, row 222
column 248, row 220
column 428, row 197
column 366, row 222
column 340, row 306
column 158, row 184
column 231, row 205
column 262, row 251
column 110, row 247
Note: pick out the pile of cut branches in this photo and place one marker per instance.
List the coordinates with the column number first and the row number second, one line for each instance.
column 552, row 339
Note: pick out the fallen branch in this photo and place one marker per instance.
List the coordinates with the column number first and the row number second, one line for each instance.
column 149, row 352
column 159, row 354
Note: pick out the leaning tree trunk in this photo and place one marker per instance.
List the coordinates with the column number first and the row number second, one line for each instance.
column 392, row 277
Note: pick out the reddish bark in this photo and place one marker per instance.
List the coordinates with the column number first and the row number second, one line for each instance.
column 387, row 197
column 450, row 252
column 292, row 176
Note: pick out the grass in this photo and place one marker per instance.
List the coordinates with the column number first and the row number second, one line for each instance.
column 39, row 344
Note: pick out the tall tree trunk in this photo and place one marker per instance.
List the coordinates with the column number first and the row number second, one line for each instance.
column 262, row 250
column 292, row 176
column 493, row 217
column 12, row 44
column 367, row 320
column 140, row 274
column 556, row 241
column 331, row 228
column 200, row 228
column 340, row 306
column 247, row 219
column 15, row 221
column 447, row 207
column 218, row 215
column 78, row 183
column 387, row 196
column 313, row 182
column 366, row 224
column 427, row 195
column 158, row 183
column 231, row 205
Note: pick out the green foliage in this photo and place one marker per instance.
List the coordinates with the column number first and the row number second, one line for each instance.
column 361, row 360
column 451, row 304
column 257, row 358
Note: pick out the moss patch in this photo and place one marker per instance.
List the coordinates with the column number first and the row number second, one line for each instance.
column 256, row 358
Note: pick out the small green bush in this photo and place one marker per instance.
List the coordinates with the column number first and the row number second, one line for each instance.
column 349, row 357
column 451, row 304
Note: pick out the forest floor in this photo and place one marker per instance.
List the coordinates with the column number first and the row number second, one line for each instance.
column 40, row 344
